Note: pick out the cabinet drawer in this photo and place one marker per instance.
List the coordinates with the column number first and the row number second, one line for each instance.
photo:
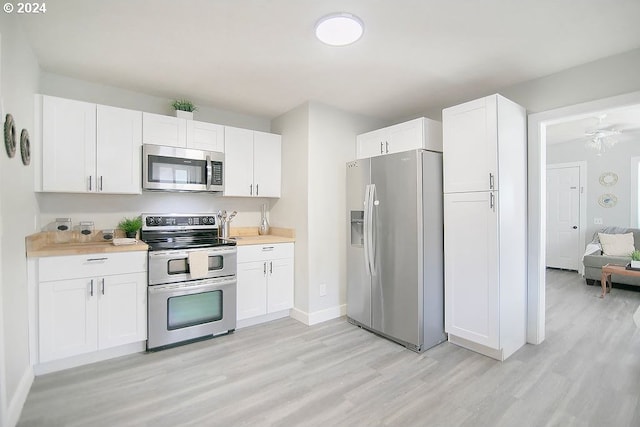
column 264, row 252
column 90, row 265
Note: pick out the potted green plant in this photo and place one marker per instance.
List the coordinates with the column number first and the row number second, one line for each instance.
column 635, row 259
column 130, row 226
column 184, row 108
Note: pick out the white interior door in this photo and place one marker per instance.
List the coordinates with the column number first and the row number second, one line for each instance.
column 563, row 217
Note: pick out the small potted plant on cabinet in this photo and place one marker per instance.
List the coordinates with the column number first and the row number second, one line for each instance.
column 130, row 226
column 635, row 259
column 184, row 108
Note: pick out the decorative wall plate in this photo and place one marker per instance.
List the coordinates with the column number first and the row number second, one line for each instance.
column 608, row 179
column 25, row 147
column 608, row 200
column 10, row 135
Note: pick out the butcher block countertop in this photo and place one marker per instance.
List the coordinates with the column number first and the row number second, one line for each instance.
column 48, row 243
column 249, row 236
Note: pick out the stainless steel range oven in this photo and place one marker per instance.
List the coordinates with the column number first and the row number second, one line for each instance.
column 188, row 301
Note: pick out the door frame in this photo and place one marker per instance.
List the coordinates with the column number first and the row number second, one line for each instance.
column 582, row 209
column 634, row 217
column 537, row 154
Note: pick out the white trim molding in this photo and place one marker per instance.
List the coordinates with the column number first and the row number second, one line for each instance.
column 320, row 315
column 634, row 214
column 20, row 397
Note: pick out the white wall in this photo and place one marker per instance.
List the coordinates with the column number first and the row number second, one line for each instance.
column 615, row 160
column 318, row 140
column 332, row 143
column 107, row 210
column 291, row 210
column 67, row 87
column 18, row 212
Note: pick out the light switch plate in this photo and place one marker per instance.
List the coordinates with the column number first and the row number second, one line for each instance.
column 597, row 221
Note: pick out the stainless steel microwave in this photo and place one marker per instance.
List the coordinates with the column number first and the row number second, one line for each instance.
column 181, row 169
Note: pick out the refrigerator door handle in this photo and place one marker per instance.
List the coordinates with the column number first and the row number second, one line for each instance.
column 365, row 229
column 370, row 230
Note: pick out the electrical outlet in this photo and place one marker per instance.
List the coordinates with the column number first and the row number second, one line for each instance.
column 323, row 289
column 597, row 221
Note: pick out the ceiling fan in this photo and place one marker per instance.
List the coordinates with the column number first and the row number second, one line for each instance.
column 602, row 137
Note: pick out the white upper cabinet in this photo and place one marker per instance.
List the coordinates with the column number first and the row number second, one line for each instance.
column 119, row 140
column 238, row 162
column 175, row 132
column 88, row 148
column 252, row 163
column 414, row 134
column 68, row 145
column 205, row 136
column 471, row 158
column 267, row 155
column 164, row 130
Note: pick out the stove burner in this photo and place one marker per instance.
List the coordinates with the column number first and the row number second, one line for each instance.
column 181, row 231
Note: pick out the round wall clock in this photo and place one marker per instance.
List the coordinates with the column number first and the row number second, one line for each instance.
column 608, row 200
column 10, row 135
column 25, row 147
column 608, row 179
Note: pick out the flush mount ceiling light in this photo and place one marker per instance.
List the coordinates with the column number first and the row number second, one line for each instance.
column 339, row 29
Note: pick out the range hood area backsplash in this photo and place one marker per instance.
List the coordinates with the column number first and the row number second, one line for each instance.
column 106, row 210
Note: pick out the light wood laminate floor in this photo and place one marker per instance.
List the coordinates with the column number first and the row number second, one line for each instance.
column 586, row 373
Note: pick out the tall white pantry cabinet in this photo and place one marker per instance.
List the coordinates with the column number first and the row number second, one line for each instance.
column 484, row 160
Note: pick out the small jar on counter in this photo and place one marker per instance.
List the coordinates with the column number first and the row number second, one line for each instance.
column 63, row 230
column 86, row 231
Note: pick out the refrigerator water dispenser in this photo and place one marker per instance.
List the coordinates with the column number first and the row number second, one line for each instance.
column 357, row 224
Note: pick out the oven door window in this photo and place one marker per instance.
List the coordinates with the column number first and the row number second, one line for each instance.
column 181, row 266
column 171, row 170
column 195, row 309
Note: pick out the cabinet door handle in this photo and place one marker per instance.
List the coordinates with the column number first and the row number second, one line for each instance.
column 97, row 259
column 257, row 189
column 267, row 248
column 492, row 202
column 251, row 189
column 387, row 144
column 100, row 182
column 381, row 148
column 264, row 268
column 90, row 183
column 491, row 181
column 103, row 286
column 91, row 291
column 270, row 267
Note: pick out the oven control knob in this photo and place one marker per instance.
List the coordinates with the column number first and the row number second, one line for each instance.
column 205, row 220
column 211, row 220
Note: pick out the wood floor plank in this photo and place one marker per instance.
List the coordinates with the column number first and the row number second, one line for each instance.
column 284, row 373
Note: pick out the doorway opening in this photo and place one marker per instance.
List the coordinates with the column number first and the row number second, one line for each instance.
column 537, row 203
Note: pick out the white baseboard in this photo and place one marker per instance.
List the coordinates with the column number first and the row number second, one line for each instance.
column 319, row 316
column 85, row 359
column 261, row 319
column 19, row 397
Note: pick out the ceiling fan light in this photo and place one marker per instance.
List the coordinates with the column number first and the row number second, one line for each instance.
column 339, row 29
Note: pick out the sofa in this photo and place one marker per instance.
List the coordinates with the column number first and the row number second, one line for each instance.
column 594, row 258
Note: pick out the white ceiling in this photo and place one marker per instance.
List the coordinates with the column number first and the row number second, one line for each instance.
column 260, row 56
column 622, row 124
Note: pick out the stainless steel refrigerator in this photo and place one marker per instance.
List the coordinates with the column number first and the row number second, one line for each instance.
column 395, row 247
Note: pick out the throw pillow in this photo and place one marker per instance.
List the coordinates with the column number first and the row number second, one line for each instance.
column 617, row 244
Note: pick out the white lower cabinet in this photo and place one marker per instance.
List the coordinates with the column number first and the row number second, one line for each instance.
column 265, row 279
column 104, row 309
